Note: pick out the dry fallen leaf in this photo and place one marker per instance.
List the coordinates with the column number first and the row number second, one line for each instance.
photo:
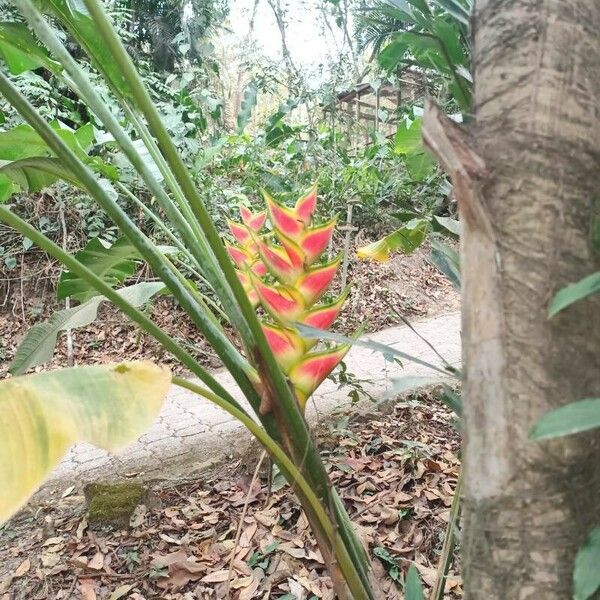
column 87, row 589
column 23, row 568
column 49, row 559
column 96, row 562
column 121, row 591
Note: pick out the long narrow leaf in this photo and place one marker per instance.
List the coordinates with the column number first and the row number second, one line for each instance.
column 38, row 344
column 586, row 575
column 574, row 292
column 387, row 351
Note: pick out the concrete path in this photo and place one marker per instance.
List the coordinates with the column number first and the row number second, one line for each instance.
column 191, row 433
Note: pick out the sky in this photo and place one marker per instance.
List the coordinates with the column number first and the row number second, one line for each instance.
column 307, row 45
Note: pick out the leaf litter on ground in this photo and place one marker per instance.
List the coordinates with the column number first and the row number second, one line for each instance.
column 395, row 469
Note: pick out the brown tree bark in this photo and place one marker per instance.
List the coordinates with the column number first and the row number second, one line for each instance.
column 527, row 209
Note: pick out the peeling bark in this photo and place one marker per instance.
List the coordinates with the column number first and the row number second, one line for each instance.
column 528, row 506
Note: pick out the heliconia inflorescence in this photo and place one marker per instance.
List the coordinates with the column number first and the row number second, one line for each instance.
column 281, row 271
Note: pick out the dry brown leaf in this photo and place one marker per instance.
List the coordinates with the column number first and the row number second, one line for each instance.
column 248, row 534
column 216, row 576
column 121, row 592
column 49, row 559
column 23, row 568
column 96, row 562
column 249, row 591
column 87, row 589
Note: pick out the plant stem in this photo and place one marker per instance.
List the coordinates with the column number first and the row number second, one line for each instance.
column 287, row 412
column 448, row 547
column 150, row 214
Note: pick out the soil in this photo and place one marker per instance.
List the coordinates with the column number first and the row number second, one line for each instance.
column 406, row 287
column 396, row 471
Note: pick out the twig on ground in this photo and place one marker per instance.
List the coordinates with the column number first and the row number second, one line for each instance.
column 238, row 533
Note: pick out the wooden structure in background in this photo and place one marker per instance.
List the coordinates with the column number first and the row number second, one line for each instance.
column 366, row 108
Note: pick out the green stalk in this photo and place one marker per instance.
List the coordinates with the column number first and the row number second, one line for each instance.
column 297, row 480
column 160, row 265
column 179, row 171
column 209, row 264
column 448, row 547
column 130, row 311
column 175, row 240
column 287, row 413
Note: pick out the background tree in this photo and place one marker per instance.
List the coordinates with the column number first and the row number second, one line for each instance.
column 527, row 199
column 159, row 26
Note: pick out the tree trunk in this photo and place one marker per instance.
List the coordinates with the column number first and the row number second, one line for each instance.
column 528, row 506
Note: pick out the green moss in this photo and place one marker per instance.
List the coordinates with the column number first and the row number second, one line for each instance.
column 113, row 504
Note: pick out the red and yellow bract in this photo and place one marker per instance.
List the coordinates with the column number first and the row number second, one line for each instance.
column 281, row 272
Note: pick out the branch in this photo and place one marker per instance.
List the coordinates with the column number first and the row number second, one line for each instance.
column 452, row 147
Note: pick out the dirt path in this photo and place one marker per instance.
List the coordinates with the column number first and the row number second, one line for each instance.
column 191, row 434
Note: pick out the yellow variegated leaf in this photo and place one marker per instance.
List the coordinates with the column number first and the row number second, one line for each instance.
column 43, row 415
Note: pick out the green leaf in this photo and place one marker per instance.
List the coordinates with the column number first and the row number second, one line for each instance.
column 393, row 54
column 400, row 385
column 113, row 265
column 573, row 293
column 420, row 166
column 575, row 417
column 455, row 9
column 389, row 352
column 39, row 342
column 449, row 224
column 7, row 188
column 247, row 106
column 73, row 15
column 586, row 575
column 23, row 141
column 413, row 588
column 407, row 139
column 447, row 261
column 33, row 174
column 452, row 400
column 43, row 415
column 20, row 50
column 407, row 239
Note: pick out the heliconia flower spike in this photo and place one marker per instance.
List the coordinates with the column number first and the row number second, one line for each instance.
column 323, row 316
column 281, row 272
column 283, row 303
column 259, row 268
column 240, row 232
column 240, row 257
column 314, row 367
column 287, row 346
column 305, row 207
column 278, row 263
column 248, row 288
column 254, row 221
column 293, row 251
column 283, row 218
column 315, row 282
column 315, row 241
